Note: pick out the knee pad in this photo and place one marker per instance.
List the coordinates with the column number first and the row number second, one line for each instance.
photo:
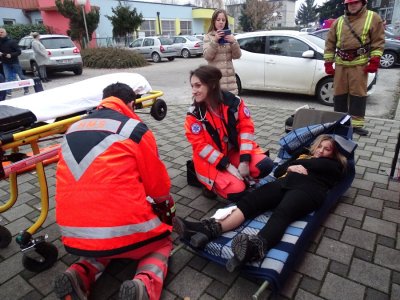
column 340, row 103
column 234, row 197
column 265, row 166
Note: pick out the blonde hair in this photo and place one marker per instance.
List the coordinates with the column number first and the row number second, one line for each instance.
column 335, row 150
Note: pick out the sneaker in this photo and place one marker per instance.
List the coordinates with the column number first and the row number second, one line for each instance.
column 360, row 131
column 69, row 285
column 26, row 92
column 133, row 290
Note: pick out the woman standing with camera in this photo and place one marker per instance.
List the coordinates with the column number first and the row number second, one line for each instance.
column 220, row 48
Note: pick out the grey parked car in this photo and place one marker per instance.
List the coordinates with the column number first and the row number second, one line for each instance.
column 188, row 45
column 155, row 48
column 63, row 54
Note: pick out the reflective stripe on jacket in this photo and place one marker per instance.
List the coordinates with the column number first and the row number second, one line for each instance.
column 367, row 25
column 108, row 165
column 211, row 154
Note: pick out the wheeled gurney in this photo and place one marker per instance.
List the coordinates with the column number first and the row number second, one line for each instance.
column 278, row 263
column 28, row 120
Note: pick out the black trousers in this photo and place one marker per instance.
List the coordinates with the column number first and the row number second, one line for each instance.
column 289, row 205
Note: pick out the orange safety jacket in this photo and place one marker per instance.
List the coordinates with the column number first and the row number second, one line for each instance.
column 212, row 138
column 108, row 165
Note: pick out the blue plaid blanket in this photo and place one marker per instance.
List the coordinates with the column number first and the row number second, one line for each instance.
column 279, row 261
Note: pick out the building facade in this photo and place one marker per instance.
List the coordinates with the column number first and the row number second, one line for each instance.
column 159, row 18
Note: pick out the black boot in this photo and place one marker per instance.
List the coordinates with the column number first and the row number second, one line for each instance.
column 199, row 233
column 246, row 248
column 208, row 194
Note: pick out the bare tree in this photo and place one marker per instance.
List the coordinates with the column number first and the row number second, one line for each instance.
column 209, row 3
column 260, row 12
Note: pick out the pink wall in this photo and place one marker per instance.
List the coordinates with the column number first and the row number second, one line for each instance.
column 52, row 18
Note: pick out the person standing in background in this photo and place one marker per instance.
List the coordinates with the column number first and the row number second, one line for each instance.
column 9, row 52
column 220, row 48
column 355, row 44
column 41, row 56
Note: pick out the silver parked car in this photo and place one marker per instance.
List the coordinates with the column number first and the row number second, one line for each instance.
column 188, row 45
column 155, row 48
column 63, row 54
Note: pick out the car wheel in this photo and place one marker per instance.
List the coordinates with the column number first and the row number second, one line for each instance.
column 185, row 53
column 78, row 71
column 324, row 91
column 388, row 59
column 239, row 84
column 171, row 58
column 35, row 69
column 156, row 57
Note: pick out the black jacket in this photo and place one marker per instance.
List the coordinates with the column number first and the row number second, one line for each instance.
column 9, row 46
column 323, row 174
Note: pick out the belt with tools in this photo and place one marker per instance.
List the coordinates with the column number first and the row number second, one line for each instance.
column 352, row 54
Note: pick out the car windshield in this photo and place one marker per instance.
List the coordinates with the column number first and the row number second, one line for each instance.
column 192, row 38
column 57, row 43
column 165, row 41
column 315, row 40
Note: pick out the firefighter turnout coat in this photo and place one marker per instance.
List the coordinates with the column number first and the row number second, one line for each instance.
column 368, row 26
column 108, row 165
column 213, row 139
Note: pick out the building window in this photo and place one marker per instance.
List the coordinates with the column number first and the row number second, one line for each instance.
column 168, row 27
column 38, row 21
column 186, row 27
column 148, row 27
column 8, row 21
column 376, row 3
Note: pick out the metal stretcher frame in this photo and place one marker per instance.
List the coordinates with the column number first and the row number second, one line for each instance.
column 46, row 253
column 280, row 260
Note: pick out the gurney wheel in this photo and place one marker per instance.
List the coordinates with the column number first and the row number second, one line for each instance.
column 159, row 109
column 5, row 237
column 46, row 257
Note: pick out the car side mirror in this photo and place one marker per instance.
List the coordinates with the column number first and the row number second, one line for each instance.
column 308, row 54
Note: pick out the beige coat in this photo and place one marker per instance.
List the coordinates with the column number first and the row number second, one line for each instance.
column 40, row 53
column 221, row 56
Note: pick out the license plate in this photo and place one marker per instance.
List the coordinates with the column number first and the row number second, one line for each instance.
column 65, row 61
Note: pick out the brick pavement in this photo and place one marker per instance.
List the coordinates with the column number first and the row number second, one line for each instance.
column 354, row 255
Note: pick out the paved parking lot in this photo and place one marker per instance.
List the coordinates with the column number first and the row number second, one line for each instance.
column 354, row 255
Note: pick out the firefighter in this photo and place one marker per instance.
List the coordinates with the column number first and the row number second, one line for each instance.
column 221, row 131
column 113, row 199
column 355, row 44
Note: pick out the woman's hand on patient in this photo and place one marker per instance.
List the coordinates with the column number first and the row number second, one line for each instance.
column 235, row 172
column 298, row 169
column 244, row 169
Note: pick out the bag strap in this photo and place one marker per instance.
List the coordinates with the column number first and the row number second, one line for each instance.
column 346, row 20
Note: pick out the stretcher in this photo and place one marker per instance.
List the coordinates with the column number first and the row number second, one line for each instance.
column 278, row 263
column 30, row 121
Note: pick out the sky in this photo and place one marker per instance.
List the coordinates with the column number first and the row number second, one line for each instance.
column 297, row 6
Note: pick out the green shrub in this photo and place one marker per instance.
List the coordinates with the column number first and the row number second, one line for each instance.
column 18, row 31
column 111, row 58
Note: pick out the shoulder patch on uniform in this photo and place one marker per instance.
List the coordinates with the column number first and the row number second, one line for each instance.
column 246, row 111
column 196, row 128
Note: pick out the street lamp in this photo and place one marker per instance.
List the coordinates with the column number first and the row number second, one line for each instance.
column 82, row 3
column 159, row 23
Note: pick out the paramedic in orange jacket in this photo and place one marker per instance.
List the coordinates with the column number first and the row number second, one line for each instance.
column 108, row 170
column 221, row 131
